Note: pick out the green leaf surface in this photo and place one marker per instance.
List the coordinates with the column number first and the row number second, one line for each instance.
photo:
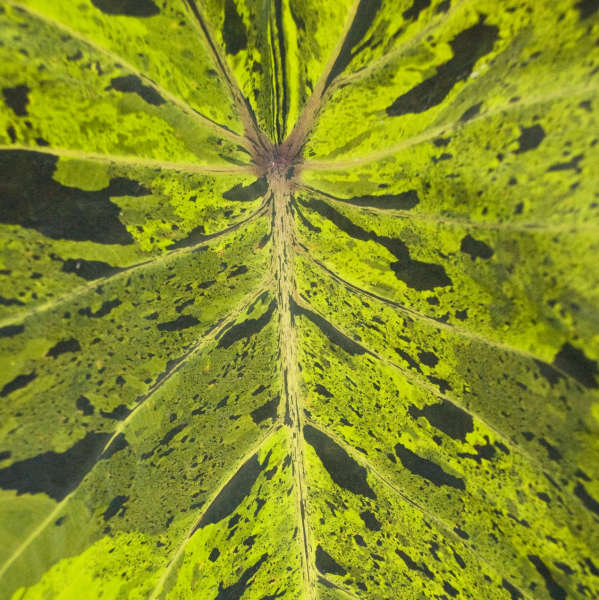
column 299, row 300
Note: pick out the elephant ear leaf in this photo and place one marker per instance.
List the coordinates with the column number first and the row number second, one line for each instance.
column 299, row 299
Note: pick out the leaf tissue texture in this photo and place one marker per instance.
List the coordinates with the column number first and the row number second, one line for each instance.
column 299, row 299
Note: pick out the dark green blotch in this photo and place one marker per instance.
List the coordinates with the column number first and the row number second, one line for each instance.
column 530, row 138
column 233, row 494
column 447, row 417
column 514, row 592
column 169, row 435
column 129, row 8
column 575, row 363
column 204, row 285
column 119, row 443
column 443, row 384
column 105, row 309
column 586, row 498
column 468, row 46
column 239, row 588
column 564, row 567
column 450, row 589
column 430, row 359
column 195, row 236
column 566, row 166
column 266, row 411
column 234, row 32
column 12, row 134
column 412, row 364
column 422, row 467
column 10, row 302
column 70, row 345
column 587, row 8
column 74, row 57
column 414, row 273
column 402, row 201
column 178, row 324
column 325, row 563
column 555, row 590
column 214, row 554
column 249, row 193
column 20, row 381
column 233, row 521
column 183, row 304
column 471, row 112
column 30, row 197
column 476, row 248
column 120, row 413
column 443, row 7
column 330, row 332
column 322, row 391
column 306, row 223
column 363, row 19
column 554, row 453
column 483, row 452
column 55, row 474
column 414, row 566
column 11, row 330
column 592, row 567
column 88, row 269
column 548, row 372
column 342, row 468
column 370, row 521
column 414, row 11
column 246, row 328
column 117, row 505
column 85, row 406
column 419, row 275
column 299, row 22
column 237, row 271
column 459, row 559
column 133, row 84
column 17, row 98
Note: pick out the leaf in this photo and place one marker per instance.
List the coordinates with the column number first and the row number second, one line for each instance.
column 299, row 299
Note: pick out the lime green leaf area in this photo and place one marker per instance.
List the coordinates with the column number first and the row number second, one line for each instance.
column 299, row 299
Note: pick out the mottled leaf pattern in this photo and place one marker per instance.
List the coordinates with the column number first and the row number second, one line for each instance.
column 299, row 300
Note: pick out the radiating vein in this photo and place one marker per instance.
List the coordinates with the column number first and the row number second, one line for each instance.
column 189, row 534
column 445, row 528
column 443, row 130
column 424, row 385
column 211, row 334
column 381, row 62
column 529, row 227
column 162, row 259
column 256, row 137
column 454, row 329
column 135, row 161
column 454, row 401
column 337, row 587
column 311, row 109
column 222, row 130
